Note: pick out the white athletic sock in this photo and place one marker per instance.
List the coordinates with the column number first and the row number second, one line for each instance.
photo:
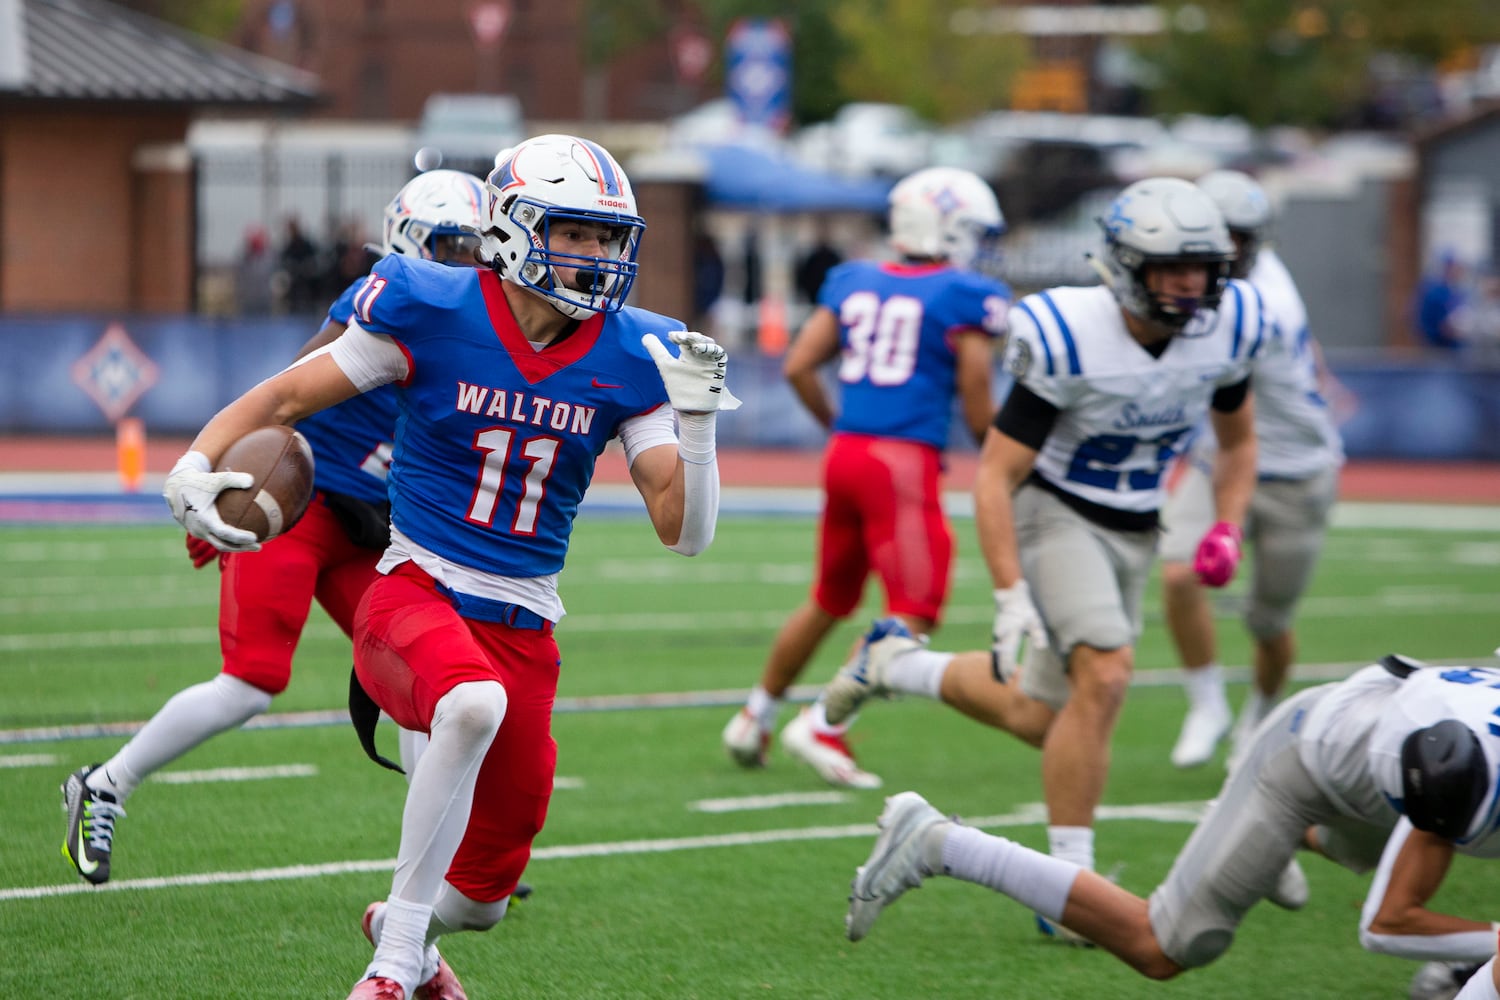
column 1258, row 705
column 1205, row 686
column 441, row 795
column 919, row 672
column 1072, row 843
column 400, row 949
column 190, row 717
column 763, row 708
column 817, row 718
column 1029, row 877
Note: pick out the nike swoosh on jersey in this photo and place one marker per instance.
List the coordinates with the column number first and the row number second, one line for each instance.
column 604, row 385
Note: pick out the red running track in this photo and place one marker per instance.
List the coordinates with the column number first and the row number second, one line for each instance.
column 1419, row 482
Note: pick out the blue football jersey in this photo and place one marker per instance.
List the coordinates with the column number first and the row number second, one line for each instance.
column 898, row 371
column 496, row 441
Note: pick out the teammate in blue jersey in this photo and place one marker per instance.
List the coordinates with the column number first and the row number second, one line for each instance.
column 510, row 381
column 328, row 556
column 1110, row 381
column 910, row 338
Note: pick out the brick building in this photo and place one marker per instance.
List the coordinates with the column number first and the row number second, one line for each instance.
column 96, row 188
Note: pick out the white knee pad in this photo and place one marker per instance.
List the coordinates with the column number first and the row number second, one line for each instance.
column 457, row 912
column 475, row 709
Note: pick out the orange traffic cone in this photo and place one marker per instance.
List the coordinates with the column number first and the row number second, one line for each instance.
column 130, row 452
column 773, row 335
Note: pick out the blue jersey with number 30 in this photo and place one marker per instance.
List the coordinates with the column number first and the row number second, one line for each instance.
column 496, row 441
column 897, row 324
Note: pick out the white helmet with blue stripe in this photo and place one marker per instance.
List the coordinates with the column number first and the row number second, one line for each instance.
column 554, row 180
column 437, row 215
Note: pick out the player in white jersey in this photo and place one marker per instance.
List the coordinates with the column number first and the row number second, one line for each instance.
column 1394, row 768
column 1298, row 458
column 1110, row 380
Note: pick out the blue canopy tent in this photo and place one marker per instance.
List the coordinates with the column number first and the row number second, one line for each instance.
column 755, row 180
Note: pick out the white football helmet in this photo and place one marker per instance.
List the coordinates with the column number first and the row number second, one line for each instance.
column 1247, row 211
column 437, row 215
column 548, row 181
column 1164, row 220
column 945, row 213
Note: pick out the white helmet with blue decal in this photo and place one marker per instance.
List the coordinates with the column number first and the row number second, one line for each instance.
column 437, row 215
column 1247, row 212
column 1164, row 221
column 946, row 213
column 556, row 180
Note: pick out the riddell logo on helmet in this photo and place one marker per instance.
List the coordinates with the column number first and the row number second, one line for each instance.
column 613, row 203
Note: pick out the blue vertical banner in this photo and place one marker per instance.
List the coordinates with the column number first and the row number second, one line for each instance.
column 758, row 77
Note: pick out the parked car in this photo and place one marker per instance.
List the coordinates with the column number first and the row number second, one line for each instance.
column 465, row 131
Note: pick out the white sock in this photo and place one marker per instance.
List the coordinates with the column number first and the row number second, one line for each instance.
column 1029, row 877
column 1259, row 705
column 1072, row 843
column 919, row 672
column 1205, row 686
column 763, row 708
column 400, row 943
column 190, row 717
column 817, row 718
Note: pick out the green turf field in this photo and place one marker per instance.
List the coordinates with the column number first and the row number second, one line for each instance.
column 653, row 877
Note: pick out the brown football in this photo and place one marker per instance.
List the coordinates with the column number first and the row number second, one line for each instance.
column 281, row 461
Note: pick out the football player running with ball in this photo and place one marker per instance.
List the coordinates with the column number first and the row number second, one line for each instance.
column 512, row 378
column 1393, row 769
column 1109, row 381
column 910, row 338
column 329, row 555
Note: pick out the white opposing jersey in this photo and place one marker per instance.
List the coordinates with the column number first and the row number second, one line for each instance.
column 1124, row 414
column 1351, row 740
column 1296, row 437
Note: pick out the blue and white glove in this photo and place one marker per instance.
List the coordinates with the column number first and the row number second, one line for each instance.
column 191, row 490
column 1016, row 622
column 695, row 377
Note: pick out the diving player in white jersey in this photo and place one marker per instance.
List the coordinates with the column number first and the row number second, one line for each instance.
column 1299, row 453
column 1394, row 767
column 511, row 380
column 1110, row 380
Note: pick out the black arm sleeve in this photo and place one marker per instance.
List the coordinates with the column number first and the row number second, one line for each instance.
column 1026, row 417
column 1231, row 397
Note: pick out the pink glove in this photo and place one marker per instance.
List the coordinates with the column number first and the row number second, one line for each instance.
column 1218, row 555
column 200, row 552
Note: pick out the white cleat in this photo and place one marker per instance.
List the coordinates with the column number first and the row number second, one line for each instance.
column 1202, row 730
column 896, row 863
column 1291, row 892
column 865, row 676
column 745, row 741
column 826, row 753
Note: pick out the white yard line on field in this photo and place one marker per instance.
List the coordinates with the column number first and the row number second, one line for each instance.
column 236, row 774
column 731, row 698
column 1030, row 814
column 747, row 803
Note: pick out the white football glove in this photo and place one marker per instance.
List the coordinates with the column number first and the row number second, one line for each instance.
column 1016, row 621
column 695, row 377
column 191, row 491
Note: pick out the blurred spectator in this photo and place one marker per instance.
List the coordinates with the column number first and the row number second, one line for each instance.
column 708, row 277
column 814, row 265
column 253, row 274
column 1440, row 295
column 1477, row 322
column 752, row 268
column 352, row 257
column 304, row 276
